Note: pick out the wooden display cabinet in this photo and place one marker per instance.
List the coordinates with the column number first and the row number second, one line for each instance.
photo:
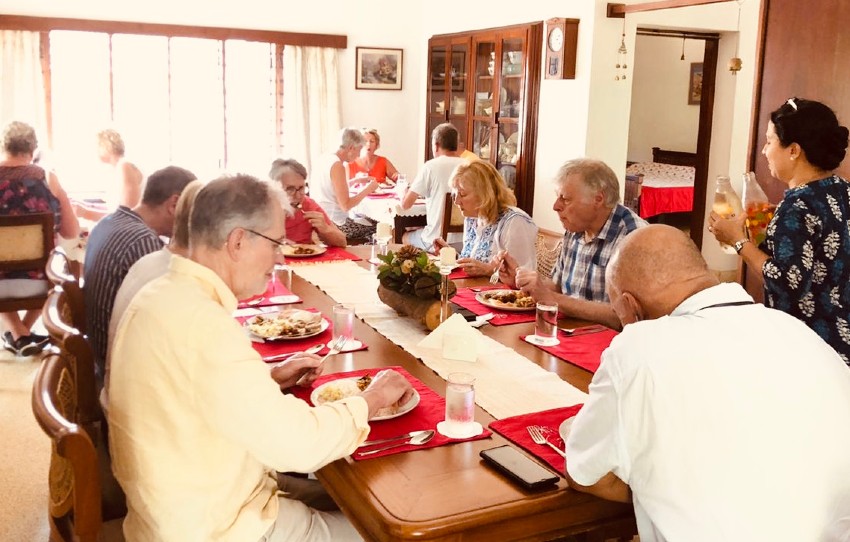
column 494, row 103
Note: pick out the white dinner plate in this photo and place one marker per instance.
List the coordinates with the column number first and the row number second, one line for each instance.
column 323, row 325
column 346, row 387
column 482, row 298
column 308, row 251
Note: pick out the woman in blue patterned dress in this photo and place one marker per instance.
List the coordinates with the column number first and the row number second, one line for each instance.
column 492, row 221
column 805, row 258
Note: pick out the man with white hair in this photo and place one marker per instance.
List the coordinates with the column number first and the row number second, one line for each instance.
column 719, row 418
column 197, row 427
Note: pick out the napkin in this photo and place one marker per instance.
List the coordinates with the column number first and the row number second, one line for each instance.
column 515, row 430
column 465, row 297
column 333, row 254
column 430, row 410
column 455, row 338
column 281, row 294
column 584, row 350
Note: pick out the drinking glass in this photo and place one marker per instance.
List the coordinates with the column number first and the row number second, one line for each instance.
column 283, row 275
column 545, row 325
column 460, row 402
column 343, row 320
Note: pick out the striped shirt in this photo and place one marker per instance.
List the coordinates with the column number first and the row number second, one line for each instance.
column 116, row 242
column 580, row 269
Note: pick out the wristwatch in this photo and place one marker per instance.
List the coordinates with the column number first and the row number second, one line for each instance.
column 739, row 245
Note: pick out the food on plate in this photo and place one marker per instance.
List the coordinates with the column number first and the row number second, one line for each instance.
column 301, row 249
column 346, row 387
column 291, row 323
column 363, row 382
column 510, row 298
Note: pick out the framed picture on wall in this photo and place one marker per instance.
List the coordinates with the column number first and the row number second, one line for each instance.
column 378, row 69
column 695, row 86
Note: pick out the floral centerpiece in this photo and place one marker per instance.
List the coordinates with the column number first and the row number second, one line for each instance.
column 410, row 284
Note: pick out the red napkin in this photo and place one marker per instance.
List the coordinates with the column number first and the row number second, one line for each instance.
column 333, row 254
column 583, row 349
column 273, row 289
column 273, row 348
column 465, row 297
column 430, row 410
column 514, row 429
column 458, row 273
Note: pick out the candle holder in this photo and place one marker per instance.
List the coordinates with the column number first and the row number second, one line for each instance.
column 445, row 271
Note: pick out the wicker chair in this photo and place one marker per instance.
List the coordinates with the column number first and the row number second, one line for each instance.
column 548, row 249
column 61, row 272
column 452, row 218
column 25, row 243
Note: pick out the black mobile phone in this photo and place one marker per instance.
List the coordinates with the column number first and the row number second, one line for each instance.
column 519, row 466
column 467, row 314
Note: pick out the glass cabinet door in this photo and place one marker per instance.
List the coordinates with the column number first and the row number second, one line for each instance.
column 510, row 107
column 448, row 87
column 484, row 107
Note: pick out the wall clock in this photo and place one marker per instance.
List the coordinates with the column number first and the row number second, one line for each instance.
column 561, row 37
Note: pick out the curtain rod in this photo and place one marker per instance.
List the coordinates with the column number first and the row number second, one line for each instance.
column 677, row 34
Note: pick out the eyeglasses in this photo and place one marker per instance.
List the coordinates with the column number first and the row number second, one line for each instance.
column 291, row 190
column 278, row 244
column 792, row 103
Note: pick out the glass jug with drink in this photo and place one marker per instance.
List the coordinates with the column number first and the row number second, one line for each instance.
column 759, row 210
column 727, row 204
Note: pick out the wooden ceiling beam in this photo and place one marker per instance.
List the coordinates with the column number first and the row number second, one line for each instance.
column 618, row 11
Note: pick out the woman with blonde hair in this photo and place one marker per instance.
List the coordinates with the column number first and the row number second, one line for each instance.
column 111, row 149
column 493, row 223
column 369, row 164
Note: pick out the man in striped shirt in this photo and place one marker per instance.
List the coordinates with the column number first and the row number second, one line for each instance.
column 117, row 242
column 588, row 205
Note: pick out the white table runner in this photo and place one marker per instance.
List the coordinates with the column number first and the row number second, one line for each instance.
column 507, row 384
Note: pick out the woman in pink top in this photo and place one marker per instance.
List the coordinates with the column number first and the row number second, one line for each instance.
column 370, row 164
column 306, row 216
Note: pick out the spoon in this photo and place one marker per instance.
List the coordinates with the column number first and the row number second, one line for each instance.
column 255, row 301
column 418, row 440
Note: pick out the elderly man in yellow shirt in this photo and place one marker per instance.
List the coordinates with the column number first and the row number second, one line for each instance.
column 197, row 428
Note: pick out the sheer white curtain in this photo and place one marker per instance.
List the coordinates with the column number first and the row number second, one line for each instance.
column 311, row 102
column 21, row 81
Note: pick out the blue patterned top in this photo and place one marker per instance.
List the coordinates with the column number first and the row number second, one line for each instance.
column 580, row 269
column 513, row 231
column 807, row 273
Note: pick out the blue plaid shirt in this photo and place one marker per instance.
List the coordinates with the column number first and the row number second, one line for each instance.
column 580, row 269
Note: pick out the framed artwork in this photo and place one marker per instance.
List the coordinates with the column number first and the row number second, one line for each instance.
column 378, row 69
column 695, row 85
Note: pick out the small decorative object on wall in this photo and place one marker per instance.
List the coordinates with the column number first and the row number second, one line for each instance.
column 695, row 86
column 561, row 36
column 378, row 69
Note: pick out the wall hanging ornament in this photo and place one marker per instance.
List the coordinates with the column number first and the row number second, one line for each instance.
column 621, row 56
column 683, row 49
column 735, row 62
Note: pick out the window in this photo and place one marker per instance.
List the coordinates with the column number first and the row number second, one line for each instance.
column 204, row 104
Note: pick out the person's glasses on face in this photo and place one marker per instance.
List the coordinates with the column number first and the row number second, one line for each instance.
column 292, row 190
column 278, row 244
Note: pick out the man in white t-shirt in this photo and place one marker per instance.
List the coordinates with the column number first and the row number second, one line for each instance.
column 432, row 183
column 719, row 418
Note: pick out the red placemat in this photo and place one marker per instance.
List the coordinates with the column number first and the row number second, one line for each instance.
column 430, row 410
column 515, row 430
column 458, row 273
column 274, row 289
column 274, row 348
column 381, row 196
column 582, row 349
column 465, row 297
column 333, row 254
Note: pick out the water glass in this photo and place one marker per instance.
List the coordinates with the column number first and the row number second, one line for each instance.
column 343, row 320
column 460, row 402
column 546, row 324
column 283, row 275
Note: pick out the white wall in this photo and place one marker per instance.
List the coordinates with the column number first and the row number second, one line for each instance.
column 587, row 116
column 660, row 114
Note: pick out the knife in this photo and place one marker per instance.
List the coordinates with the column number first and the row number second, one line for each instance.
column 400, row 437
column 586, row 330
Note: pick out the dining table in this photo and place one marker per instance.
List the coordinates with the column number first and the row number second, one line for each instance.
column 447, row 493
column 384, row 207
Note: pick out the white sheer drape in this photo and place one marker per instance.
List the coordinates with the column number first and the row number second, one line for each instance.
column 21, row 80
column 311, row 102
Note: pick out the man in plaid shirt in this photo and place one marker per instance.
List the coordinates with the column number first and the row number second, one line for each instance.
column 588, row 205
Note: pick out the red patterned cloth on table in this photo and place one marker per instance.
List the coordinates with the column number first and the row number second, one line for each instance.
column 515, row 429
column 286, row 346
column 465, row 297
column 582, row 349
column 274, row 289
column 430, row 410
column 333, row 254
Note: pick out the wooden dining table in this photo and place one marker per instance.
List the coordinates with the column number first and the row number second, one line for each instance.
column 447, row 493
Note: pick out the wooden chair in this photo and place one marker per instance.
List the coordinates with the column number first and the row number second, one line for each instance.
column 631, row 197
column 452, row 218
column 88, row 413
column 61, row 273
column 25, row 244
column 548, row 245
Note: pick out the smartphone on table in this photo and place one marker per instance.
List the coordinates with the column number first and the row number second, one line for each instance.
column 519, row 467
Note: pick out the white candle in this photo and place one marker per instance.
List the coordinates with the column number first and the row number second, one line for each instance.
column 448, row 257
column 383, row 231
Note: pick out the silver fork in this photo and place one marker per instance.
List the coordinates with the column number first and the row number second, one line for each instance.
column 539, row 438
column 335, row 348
column 494, row 278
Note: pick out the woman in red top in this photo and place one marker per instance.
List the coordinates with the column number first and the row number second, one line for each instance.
column 305, row 216
column 370, row 164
